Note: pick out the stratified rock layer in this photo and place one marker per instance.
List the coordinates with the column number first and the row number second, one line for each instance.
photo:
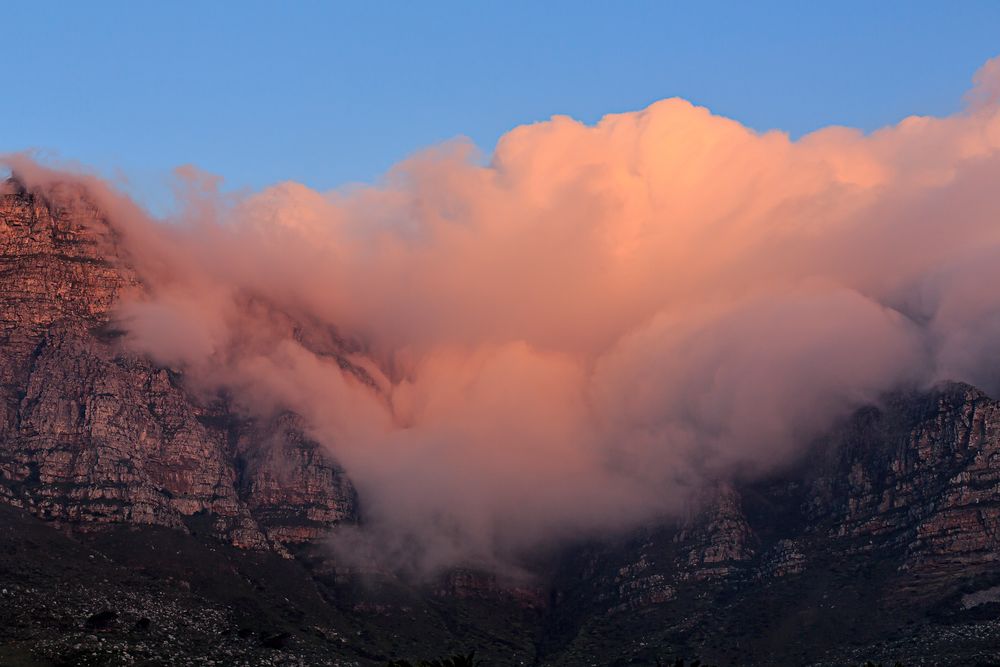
column 92, row 434
column 892, row 524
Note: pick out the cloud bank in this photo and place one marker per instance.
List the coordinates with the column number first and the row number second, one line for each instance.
column 573, row 337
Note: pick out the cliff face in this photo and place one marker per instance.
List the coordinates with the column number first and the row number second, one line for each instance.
column 890, row 528
column 917, row 480
column 92, row 434
column 920, row 476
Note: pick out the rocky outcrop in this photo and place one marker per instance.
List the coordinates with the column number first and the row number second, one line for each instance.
column 916, row 479
column 91, row 434
column 919, row 475
column 291, row 487
column 717, row 541
column 463, row 584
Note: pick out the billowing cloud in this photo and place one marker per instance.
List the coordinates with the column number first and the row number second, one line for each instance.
column 572, row 337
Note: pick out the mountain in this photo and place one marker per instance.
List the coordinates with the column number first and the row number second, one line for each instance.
column 146, row 523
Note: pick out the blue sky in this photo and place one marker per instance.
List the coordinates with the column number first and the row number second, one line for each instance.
column 328, row 93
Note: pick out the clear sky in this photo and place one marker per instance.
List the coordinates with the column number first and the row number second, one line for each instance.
column 331, row 92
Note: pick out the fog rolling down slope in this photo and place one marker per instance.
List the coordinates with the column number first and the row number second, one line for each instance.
column 150, row 522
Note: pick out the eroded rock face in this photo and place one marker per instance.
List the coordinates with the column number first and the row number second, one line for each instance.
column 718, row 539
column 92, row 434
column 889, row 526
column 912, row 486
column 291, row 487
column 920, row 476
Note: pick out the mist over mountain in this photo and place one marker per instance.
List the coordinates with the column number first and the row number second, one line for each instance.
column 605, row 388
column 576, row 336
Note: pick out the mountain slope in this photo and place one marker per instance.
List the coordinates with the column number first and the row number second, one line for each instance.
column 883, row 545
column 93, row 434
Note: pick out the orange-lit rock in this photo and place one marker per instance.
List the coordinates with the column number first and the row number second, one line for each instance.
column 91, row 434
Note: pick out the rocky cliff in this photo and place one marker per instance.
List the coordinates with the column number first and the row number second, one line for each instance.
column 889, row 530
column 91, row 434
